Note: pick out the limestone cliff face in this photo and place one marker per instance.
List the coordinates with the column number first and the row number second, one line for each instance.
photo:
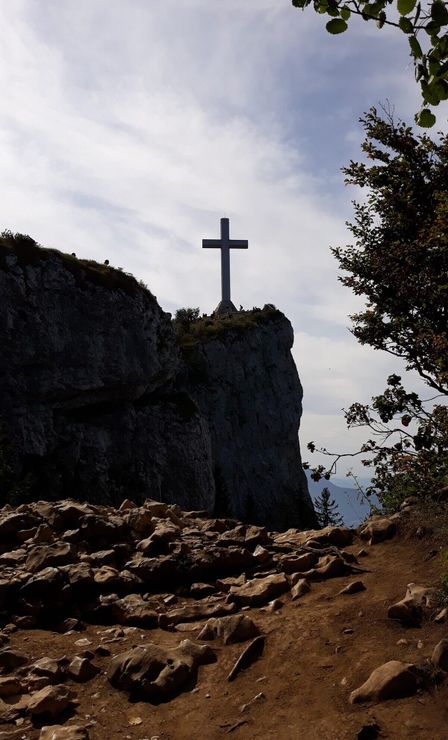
column 246, row 384
column 98, row 402
column 88, row 405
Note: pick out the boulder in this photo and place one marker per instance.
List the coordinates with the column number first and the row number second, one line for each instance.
column 43, row 535
column 51, row 700
column 13, row 523
column 261, row 555
column 155, row 673
column 300, row 588
column 439, row 656
column 259, row 591
column 194, row 613
column 393, row 680
column 47, row 584
column 49, row 669
column 13, row 558
column 256, row 536
column 11, row 659
column 352, row 588
column 10, row 686
column 66, row 514
column 328, row 566
column 64, row 732
column 298, row 564
column 133, row 610
column 410, row 610
column 164, row 533
column 338, row 536
column 236, row 628
column 42, row 556
column 201, row 590
column 377, row 530
column 441, row 616
column 225, row 584
column 82, row 670
column 140, row 520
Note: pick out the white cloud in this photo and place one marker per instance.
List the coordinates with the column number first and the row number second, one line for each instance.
column 128, row 128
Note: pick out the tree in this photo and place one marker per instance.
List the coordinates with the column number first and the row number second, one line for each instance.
column 399, row 264
column 184, row 318
column 327, row 510
column 424, row 24
column 408, row 447
column 399, row 261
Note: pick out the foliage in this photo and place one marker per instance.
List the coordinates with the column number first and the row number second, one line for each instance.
column 399, row 261
column 28, row 252
column 184, row 318
column 209, row 327
column 425, row 26
column 327, row 510
column 408, row 449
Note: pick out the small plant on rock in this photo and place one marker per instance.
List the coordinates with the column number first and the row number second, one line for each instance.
column 184, row 318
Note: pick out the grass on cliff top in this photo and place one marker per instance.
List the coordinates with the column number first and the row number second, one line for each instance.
column 209, row 327
column 29, row 252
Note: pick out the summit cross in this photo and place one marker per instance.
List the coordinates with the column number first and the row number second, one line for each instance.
column 225, row 244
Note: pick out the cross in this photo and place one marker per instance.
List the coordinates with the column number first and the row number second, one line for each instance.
column 225, row 244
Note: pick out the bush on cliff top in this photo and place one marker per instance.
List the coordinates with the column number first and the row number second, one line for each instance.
column 28, row 252
column 209, row 327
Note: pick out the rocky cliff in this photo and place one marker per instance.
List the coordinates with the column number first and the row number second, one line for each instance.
column 242, row 375
column 98, row 401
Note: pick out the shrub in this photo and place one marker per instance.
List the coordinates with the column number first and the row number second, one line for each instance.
column 28, row 252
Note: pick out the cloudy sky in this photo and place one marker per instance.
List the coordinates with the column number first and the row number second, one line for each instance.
column 129, row 127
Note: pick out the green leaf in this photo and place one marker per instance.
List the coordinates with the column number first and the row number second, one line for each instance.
column 442, row 89
column 345, row 13
column 430, row 94
column 381, row 19
column 434, row 67
column 425, row 118
column 432, row 28
column 406, row 6
column 406, row 25
column 442, row 46
column 337, row 25
column 416, row 49
column 371, row 10
column 439, row 13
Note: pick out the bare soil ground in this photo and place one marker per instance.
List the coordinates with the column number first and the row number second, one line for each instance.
column 318, row 649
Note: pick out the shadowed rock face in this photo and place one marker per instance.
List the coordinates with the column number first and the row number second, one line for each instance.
column 97, row 402
column 247, row 386
column 87, row 393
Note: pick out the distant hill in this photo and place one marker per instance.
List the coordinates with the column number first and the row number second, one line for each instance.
column 350, row 507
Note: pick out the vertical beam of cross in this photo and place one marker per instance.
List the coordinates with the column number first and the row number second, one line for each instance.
column 225, row 244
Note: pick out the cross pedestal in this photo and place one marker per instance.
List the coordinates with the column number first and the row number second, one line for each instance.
column 225, row 244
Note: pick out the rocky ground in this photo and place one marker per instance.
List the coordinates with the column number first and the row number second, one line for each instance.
column 151, row 623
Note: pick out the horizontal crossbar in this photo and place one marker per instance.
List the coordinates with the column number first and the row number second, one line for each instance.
column 232, row 243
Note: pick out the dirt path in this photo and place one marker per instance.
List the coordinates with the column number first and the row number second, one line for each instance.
column 318, row 649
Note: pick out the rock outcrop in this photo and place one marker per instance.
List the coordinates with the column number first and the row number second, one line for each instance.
column 246, row 384
column 99, row 403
